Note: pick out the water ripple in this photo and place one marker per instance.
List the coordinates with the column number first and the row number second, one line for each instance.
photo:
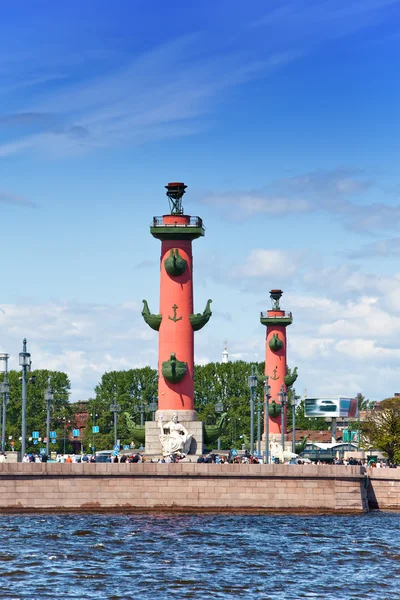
column 221, row 556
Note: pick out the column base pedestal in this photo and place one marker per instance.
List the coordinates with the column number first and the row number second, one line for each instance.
column 184, row 416
column 153, row 444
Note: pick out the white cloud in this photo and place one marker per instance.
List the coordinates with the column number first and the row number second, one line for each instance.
column 155, row 95
column 84, row 340
column 262, row 263
column 242, row 205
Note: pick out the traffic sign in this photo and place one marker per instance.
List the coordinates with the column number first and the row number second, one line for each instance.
column 126, row 447
column 75, row 432
column 95, row 429
column 35, row 442
column 35, row 435
column 116, row 448
column 53, row 441
column 53, row 434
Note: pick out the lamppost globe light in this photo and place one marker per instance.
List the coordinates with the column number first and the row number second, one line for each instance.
column 4, row 387
column 267, row 387
column 3, row 362
column 49, row 395
column 24, row 359
column 252, row 381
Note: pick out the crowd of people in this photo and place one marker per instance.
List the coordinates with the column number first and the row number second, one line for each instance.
column 230, row 458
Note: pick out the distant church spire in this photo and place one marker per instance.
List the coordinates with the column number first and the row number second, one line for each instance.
column 225, row 357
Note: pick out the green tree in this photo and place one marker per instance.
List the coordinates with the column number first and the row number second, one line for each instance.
column 226, row 383
column 131, row 389
column 364, row 403
column 36, row 406
column 381, row 428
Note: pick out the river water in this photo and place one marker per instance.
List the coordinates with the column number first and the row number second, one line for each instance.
column 201, row 556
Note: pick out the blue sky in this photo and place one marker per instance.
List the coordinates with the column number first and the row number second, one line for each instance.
column 281, row 117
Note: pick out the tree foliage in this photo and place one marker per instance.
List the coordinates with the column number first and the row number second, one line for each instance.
column 36, row 406
column 382, row 428
column 132, row 390
column 226, row 383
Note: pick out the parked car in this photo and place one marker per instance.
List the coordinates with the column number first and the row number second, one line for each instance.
column 103, row 455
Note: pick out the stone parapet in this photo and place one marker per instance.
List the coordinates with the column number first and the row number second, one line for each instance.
column 182, row 486
column 384, row 488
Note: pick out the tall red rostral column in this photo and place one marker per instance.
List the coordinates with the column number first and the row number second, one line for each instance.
column 276, row 321
column 176, row 321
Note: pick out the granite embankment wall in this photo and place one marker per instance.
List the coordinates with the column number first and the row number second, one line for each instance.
column 183, row 486
column 384, row 488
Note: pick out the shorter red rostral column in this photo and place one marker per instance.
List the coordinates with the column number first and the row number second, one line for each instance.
column 276, row 321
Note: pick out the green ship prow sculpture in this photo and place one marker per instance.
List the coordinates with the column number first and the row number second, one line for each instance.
column 213, row 432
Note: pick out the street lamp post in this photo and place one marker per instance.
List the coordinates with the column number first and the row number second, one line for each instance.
column 283, row 397
column 153, row 407
column 49, row 397
column 293, row 405
column 65, row 431
column 4, row 392
column 267, row 389
column 94, row 415
column 219, row 408
column 115, row 408
column 234, row 430
column 140, row 408
column 25, row 363
column 252, row 383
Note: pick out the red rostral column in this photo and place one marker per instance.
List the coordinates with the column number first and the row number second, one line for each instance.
column 276, row 321
column 176, row 322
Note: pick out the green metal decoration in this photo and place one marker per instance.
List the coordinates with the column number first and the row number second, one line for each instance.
column 275, row 343
column 300, row 447
column 200, row 319
column 290, row 379
column 274, row 409
column 174, row 370
column 175, row 265
column 274, row 377
column 175, row 318
column 260, row 377
column 213, row 432
column 137, row 431
column 153, row 321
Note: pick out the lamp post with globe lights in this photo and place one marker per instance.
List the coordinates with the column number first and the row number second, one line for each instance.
column 25, row 362
column 293, row 405
column 252, row 383
column 4, row 394
column 49, row 397
column 267, row 390
column 283, row 399
column 115, row 408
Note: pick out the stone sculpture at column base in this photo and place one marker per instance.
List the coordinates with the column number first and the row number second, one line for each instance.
column 170, row 435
